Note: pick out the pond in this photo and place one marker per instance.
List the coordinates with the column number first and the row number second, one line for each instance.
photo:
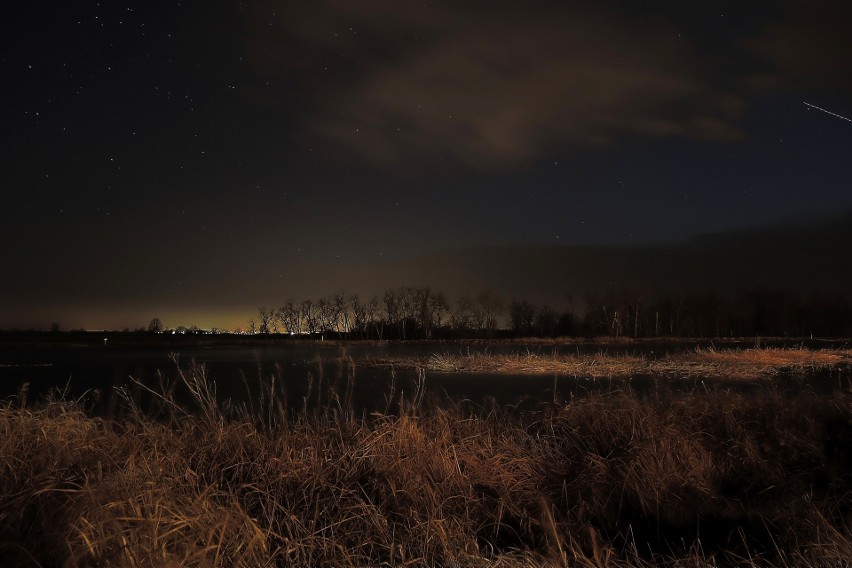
column 309, row 372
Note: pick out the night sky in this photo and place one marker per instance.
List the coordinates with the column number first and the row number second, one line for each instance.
column 195, row 160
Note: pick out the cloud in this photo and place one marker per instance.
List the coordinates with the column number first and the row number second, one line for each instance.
column 807, row 49
column 488, row 89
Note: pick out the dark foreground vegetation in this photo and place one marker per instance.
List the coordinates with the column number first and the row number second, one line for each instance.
column 607, row 479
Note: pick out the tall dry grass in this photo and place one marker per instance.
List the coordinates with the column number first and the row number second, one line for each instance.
column 705, row 363
column 617, row 479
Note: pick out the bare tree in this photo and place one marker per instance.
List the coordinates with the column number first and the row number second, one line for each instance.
column 290, row 317
column 265, row 316
column 491, row 305
column 616, row 326
column 342, row 317
column 600, row 310
column 359, row 316
column 392, row 312
column 522, row 316
column 463, row 316
column 422, row 309
column 545, row 321
column 155, row 326
column 407, row 310
column 439, row 307
column 373, row 317
column 310, row 317
column 328, row 315
column 634, row 313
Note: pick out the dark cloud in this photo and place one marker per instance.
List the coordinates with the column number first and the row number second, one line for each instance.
column 486, row 89
column 807, row 48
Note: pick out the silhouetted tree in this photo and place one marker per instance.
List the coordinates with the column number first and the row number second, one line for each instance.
column 264, row 316
column 391, row 307
column 359, row 316
column 310, row 317
column 464, row 315
column 343, row 321
column 155, row 326
column 545, row 321
column 565, row 326
column 373, row 318
column 407, row 310
column 290, row 318
column 325, row 315
column 491, row 305
column 439, row 308
column 422, row 310
column 521, row 317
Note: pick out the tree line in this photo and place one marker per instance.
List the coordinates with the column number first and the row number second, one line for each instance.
column 402, row 313
column 409, row 313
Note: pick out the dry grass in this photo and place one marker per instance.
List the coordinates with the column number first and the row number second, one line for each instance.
column 619, row 479
column 776, row 357
column 533, row 363
column 704, row 363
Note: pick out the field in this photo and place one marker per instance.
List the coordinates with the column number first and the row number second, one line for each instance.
column 617, row 477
